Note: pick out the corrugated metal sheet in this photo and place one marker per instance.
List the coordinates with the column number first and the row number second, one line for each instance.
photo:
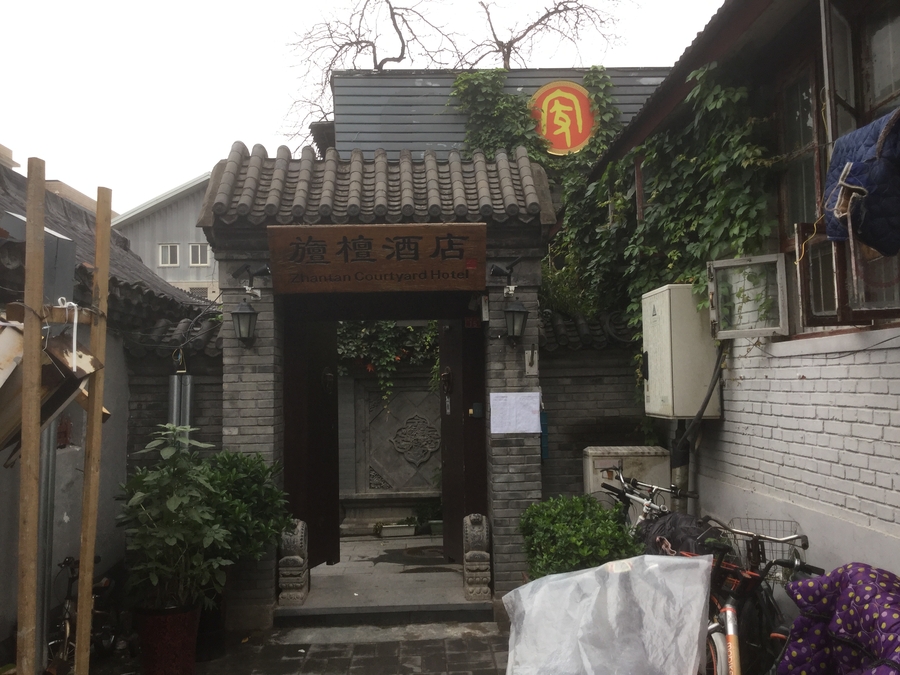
column 412, row 110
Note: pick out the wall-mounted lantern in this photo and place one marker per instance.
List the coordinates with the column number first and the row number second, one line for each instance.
column 244, row 319
column 516, row 316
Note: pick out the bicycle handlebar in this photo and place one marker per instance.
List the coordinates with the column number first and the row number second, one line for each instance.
column 626, row 496
column 794, row 565
column 801, row 539
column 635, row 484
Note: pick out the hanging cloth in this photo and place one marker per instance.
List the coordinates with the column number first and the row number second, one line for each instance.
column 862, row 187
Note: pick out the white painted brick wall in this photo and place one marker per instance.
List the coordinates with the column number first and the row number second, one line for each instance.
column 812, row 431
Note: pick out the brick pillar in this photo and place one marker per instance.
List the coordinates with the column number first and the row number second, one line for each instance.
column 252, row 420
column 513, row 460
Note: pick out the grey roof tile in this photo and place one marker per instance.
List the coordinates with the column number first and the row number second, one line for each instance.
column 257, row 190
column 136, row 293
column 576, row 333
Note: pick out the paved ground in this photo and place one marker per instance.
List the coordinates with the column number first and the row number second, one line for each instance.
column 378, row 575
column 376, row 579
column 425, row 649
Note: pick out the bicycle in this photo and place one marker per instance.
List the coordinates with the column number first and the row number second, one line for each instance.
column 104, row 631
column 637, row 499
column 747, row 630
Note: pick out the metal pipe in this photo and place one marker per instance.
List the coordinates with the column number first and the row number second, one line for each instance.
column 174, row 400
column 187, row 398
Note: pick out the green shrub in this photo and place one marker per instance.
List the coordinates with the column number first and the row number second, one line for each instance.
column 248, row 501
column 564, row 534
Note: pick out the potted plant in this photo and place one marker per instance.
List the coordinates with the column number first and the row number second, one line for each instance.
column 176, row 548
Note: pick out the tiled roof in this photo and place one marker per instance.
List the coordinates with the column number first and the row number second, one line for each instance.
column 136, row 293
column 253, row 188
column 197, row 336
column 575, row 333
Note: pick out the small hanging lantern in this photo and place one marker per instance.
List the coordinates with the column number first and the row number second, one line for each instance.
column 244, row 318
column 516, row 316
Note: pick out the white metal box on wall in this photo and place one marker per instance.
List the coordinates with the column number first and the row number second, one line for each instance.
column 679, row 354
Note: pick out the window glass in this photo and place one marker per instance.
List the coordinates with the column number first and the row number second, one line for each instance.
column 801, row 189
column 798, row 120
column 842, row 50
column 798, row 133
column 199, row 254
column 883, row 32
column 821, row 270
column 876, row 279
column 168, row 255
column 846, row 122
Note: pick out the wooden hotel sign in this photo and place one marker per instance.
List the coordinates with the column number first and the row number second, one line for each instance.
column 377, row 258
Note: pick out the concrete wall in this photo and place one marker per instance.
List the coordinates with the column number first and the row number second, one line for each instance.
column 69, row 480
column 811, row 432
column 590, row 399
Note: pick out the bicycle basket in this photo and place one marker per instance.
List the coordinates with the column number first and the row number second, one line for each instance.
column 770, row 550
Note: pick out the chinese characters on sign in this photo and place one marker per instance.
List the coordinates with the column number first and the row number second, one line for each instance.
column 372, row 258
column 564, row 116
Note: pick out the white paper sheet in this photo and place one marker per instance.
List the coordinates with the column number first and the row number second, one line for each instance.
column 516, row 413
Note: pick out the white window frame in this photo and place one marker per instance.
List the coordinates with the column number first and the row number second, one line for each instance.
column 168, row 248
column 781, row 280
column 200, row 246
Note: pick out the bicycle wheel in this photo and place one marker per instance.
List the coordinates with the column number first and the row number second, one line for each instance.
column 716, row 655
column 60, row 648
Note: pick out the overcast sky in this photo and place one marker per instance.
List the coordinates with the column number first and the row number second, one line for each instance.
column 142, row 97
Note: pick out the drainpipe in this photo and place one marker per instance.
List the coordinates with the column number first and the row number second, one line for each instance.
column 174, row 399
column 187, row 397
column 681, row 446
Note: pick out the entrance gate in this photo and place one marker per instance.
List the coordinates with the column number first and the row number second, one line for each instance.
column 380, row 239
column 311, row 414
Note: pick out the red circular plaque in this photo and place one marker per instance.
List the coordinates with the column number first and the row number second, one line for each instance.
column 564, row 117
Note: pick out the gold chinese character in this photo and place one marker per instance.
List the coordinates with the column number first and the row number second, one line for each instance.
column 556, row 105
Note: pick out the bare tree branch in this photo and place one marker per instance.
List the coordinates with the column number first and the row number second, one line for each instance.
column 358, row 36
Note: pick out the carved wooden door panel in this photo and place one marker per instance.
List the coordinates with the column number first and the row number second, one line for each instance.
column 311, row 433
column 398, row 442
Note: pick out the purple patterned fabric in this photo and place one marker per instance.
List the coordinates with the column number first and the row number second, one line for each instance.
column 849, row 624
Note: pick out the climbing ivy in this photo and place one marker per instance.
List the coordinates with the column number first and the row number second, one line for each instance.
column 705, row 192
column 498, row 120
column 380, row 347
column 706, row 197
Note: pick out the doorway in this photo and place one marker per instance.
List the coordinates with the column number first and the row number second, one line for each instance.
column 311, row 418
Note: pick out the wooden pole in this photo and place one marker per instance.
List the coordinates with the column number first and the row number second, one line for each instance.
column 91, row 494
column 30, row 460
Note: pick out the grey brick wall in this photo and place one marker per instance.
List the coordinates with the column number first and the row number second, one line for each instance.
column 513, row 461
column 253, row 418
column 252, row 376
column 810, row 432
column 148, row 405
column 590, row 397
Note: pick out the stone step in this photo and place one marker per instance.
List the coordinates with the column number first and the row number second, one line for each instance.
column 387, row 599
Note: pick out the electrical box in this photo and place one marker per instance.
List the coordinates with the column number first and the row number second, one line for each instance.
column 679, row 354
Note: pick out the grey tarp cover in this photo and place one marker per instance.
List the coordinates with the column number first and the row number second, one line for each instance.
column 643, row 615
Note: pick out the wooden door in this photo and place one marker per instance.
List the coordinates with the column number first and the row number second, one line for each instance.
column 311, row 432
column 464, row 465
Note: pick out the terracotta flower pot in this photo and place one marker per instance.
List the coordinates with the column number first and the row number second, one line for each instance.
column 168, row 640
